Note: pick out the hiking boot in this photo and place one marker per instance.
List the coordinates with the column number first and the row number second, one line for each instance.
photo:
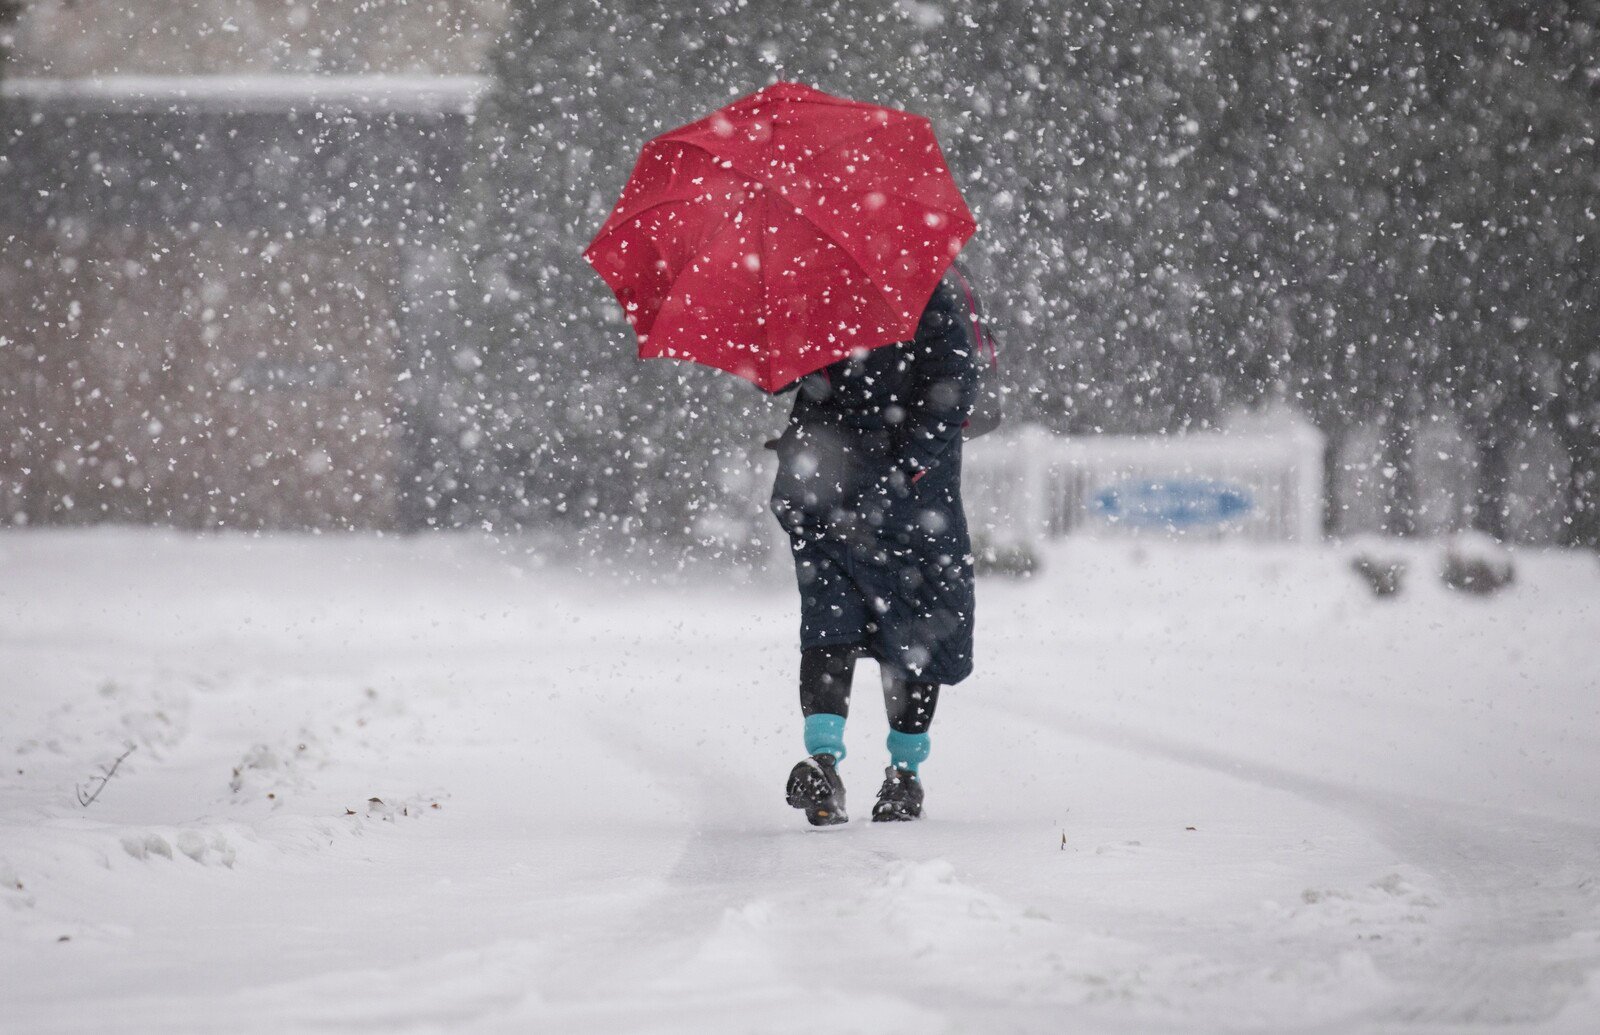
column 814, row 785
column 900, row 797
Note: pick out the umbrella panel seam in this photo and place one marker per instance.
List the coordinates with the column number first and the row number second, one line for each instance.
column 635, row 216
column 700, row 256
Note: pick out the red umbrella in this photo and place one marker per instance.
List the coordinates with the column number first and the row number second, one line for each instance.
column 781, row 233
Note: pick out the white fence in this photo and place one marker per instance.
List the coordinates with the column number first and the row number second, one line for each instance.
column 1261, row 479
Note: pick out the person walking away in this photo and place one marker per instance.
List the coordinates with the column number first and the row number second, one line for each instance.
column 869, row 491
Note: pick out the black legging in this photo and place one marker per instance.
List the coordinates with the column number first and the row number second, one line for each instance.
column 825, row 677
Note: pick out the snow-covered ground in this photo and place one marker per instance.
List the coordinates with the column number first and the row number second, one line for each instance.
column 438, row 784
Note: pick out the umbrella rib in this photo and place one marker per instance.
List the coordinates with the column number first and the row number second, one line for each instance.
column 828, row 99
column 834, row 145
column 852, row 138
column 766, row 294
column 700, row 256
column 956, row 216
column 820, row 98
column 755, row 175
column 740, row 167
column 851, row 259
column 634, row 216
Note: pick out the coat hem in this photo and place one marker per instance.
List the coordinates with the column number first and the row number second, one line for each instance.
column 806, row 643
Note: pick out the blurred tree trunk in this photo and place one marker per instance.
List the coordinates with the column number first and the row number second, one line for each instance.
column 1576, row 410
column 1333, row 502
column 1493, row 471
column 9, row 10
column 1400, row 444
column 1583, row 491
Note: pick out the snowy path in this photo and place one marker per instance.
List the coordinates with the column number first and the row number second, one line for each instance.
column 1190, row 790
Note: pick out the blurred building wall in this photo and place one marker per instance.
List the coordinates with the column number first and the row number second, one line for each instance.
column 201, row 379
column 80, row 38
column 210, row 297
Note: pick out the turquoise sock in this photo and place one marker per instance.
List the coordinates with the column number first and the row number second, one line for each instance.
column 908, row 750
column 825, row 735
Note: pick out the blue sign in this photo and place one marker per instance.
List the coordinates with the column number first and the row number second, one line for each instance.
column 1173, row 503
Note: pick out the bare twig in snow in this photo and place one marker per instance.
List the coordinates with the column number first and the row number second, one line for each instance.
column 88, row 792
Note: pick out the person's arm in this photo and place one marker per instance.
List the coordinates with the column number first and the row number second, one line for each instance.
column 946, row 382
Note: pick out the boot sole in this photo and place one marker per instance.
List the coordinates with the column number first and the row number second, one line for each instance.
column 808, row 790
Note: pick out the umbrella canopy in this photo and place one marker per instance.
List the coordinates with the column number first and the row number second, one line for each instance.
column 781, row 233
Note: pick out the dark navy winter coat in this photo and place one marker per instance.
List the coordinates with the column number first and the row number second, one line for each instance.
column 869, row 491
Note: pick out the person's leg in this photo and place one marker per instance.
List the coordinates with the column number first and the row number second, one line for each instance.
column 910, row 706
column 814, row 785
column 833, row 619
column 826, row 673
